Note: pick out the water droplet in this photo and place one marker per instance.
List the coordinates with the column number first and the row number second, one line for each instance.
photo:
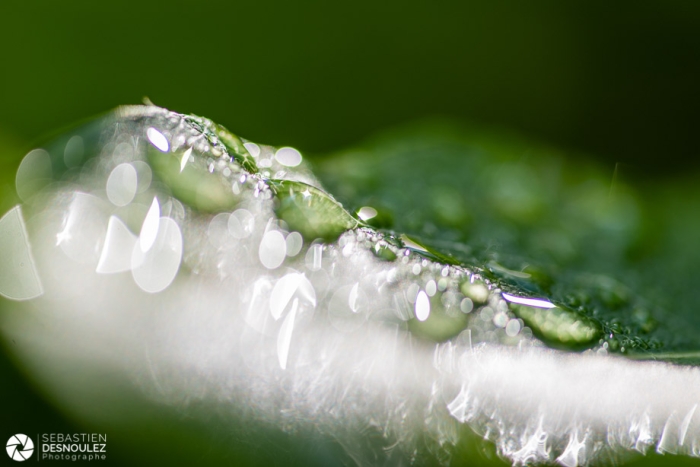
column 513, row 327
column 466, row 305
column 536, row 302
column 310, row 211
column 477, row 291
column 431, row 288
column 253, row 149
column 366, row 213
column 288, row 157
column 560, row 327
column 383, row 252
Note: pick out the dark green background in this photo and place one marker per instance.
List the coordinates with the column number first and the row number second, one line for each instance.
column 616, row 80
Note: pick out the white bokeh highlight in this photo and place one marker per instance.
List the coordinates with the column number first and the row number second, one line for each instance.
column 122, row 184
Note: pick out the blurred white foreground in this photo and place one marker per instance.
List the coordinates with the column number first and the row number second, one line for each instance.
column 119, row 277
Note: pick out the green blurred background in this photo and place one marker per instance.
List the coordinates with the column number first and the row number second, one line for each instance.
column 616, row 80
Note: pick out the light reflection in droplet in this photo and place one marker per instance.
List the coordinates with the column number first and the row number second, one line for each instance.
column 366, row 213
column 19, row 279
column 307, row 291
column 84, row 229
column 314, row 257
column 185, row 158
column 422, row 306
column 154, row 270
column 158, row 139
column 412, row 245
column 149, row 229
column 284, row 339
column 273, row 249
column 122, row 184
column 294, row 243
column 118, row 247
column 288, row 157
column 538, row 303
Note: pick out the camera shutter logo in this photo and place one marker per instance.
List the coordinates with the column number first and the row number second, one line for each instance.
column 20, row 447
